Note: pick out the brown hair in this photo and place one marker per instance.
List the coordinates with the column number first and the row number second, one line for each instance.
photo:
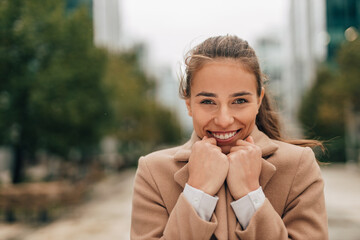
column 232, row 47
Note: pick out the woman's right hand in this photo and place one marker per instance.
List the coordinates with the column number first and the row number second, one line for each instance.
column 208, row 166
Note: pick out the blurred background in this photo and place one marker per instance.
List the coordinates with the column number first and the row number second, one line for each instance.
column 88, row 86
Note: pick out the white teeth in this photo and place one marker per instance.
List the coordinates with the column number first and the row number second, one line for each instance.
column 224, row 136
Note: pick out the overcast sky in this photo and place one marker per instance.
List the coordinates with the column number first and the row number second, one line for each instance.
column 170, row 28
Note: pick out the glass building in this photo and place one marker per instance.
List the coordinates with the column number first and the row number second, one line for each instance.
column 73, row 4
column 342, row 23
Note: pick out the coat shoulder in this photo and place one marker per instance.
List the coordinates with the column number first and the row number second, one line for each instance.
column 161, row 160
column 290, row 155
column 161, row 155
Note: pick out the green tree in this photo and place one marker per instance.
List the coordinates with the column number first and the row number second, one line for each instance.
column 348, row 59
column 51, row 96
column 322, row 115
column 322, row 112
column 140, row 124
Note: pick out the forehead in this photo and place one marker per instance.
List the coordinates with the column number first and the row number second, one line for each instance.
column 223, row 75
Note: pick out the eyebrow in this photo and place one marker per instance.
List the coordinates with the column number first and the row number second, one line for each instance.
column 206, row 94
column 237, row 94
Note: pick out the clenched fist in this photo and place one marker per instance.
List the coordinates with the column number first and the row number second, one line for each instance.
column 208, row 166
column 245, row 161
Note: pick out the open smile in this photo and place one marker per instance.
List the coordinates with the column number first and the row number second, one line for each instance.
column 225, row 136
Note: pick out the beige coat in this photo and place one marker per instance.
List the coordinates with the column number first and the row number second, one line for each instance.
column 290, row 177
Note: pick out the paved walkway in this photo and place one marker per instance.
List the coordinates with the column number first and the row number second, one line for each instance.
column 107, row 214
column 342, row 193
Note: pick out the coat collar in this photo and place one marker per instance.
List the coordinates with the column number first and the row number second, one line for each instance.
column 267, row 146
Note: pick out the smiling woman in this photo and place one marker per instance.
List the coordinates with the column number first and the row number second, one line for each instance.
column 236, row 178
column 225, row 102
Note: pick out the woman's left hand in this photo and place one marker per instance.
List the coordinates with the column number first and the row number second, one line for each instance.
column 245, row 161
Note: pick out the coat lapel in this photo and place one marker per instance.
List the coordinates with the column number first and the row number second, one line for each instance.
column 268, row 147
column 221, row 231
column 267, row 171
column 182, row 155
column 231, row 218
column 182, row 175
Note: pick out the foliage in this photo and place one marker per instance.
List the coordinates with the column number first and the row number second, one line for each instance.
column 349, row 81
column 321, row 115
column 139, row 123
column 60, row 94
column 322, row 110
column 50, row 86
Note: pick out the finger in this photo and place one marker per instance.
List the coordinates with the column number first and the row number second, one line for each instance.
column 250, row 139
column 237, row 148
column 237, row 154
column 243, row 143
column 209, row 140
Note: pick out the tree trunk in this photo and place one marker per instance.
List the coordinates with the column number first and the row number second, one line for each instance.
column 18, row 164
column 9, row 215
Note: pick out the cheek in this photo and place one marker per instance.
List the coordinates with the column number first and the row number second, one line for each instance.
column 201, row 118
column 247, row 116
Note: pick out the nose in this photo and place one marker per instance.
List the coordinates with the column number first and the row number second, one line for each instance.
column 224, row 117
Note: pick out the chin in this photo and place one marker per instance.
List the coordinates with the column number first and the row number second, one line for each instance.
column 225, row 149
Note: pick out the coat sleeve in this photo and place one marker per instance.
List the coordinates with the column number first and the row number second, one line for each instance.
column 151, row 220
column 304, row 216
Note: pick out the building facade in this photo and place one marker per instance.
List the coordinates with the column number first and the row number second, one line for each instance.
column 342, row 23
column 107, row 24
column 305, row 47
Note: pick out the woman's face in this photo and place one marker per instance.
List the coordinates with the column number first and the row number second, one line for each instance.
column 224, row 102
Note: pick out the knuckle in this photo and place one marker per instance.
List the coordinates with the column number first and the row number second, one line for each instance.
column 243, row 151
column 207, row 144
column 197, row 144
column 213, row 150
column 231, row 156
column 250, row 148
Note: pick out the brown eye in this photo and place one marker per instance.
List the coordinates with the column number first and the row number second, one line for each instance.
column 207, row 101
column 240, row 101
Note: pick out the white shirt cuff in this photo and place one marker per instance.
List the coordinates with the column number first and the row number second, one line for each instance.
column 203, row 203
column 246, row 206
